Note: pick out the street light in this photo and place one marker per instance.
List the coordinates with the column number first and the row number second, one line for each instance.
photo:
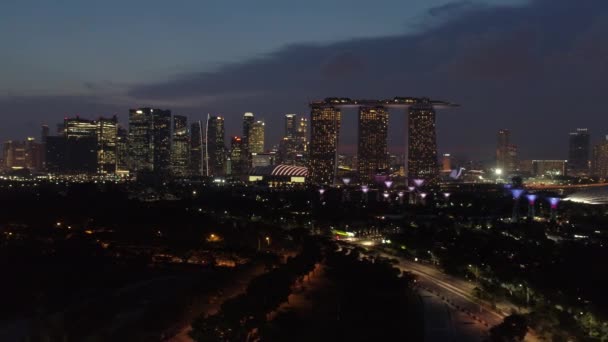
column 418, row 182
column 388, row 183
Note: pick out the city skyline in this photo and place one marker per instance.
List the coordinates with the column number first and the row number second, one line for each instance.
column 486, row 87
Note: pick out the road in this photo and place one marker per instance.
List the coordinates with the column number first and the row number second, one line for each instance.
column 468, row 320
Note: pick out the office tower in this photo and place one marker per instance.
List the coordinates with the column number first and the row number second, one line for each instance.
column 55, row 154
column 324, row 134
column 161, row 140
column 34, row 154
column 579, row 153
column 196, row 148
column 44, row 132
column 600, row 159
column 107, row 131
column 81, row 145
column 14, row 155
column 422, row 143
column 548, row 167
column 180, row 148
column 248, row 121
column 372, row 143
column 215, row 148
column 291, row 126
column 506, row 153
column 140, row 143
column 302, row 134
column 256, row 137
column 236, row 156
column 122, row 151
column 446, row 163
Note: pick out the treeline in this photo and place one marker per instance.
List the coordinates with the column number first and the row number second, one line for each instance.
column 239, row 316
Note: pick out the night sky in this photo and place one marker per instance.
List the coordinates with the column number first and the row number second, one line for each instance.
column 537, row 67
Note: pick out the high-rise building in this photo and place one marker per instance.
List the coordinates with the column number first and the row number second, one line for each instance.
column 446, row 163
column 14, row 155
column 506, row 153
column 600, row 160
column 248, row 120
column 256, row 137
column 44, row 132
column 324, row 134
column 55, row 154
column 107, row 135
column 579, row 153
column 549, row 167
column 372, row 152
column 161, row 138
column 291, row 126
column 140, row 142
column 196, row 148
column 34, row 154
column 422, row 143
column 122, row 151
column 180, row 148
column 302, row 134
column 236, row 156
column 215, row 149
column 81, row 145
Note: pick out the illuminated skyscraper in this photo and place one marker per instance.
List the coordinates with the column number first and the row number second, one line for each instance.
column 372, row 145
column 302, row 135
column 236, row 156
column 291, row 126
column 161, row 141
column 446, row 163
column 122, row 151
column 107, row 131
column 422, row 143
column 196, row 148
column 506, row 153
column 180, row 148
column 140, row 142
column 81, row 145
column 248, row 120
column 14, row 155
column 600, row 160
column 215, row 148
column 324, row 134
column 579, row 153
column 256, row 137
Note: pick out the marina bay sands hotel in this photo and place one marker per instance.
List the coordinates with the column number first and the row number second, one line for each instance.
column 372, row 149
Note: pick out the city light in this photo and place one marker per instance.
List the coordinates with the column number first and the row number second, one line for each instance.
column 418, row 182
column 364, row 189
column 346, row 181
column 388, row 183
column 517, row 193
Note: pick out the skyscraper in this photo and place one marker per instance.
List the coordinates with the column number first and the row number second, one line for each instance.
column 161, row 141
column 579, row 153
column 256, row 137
column 502, row 146
column 372, row 144
column 55, row 154
column 302, row 135
column 14, row 155
column 180, row 153
column 600, row 159
column 81, row 145
column 215, row 148
column 324, row 134
column 422, row 143
column 291, row 125
column 122, row 151
column 196, row 148
column 236, row 156
column 140, row 143
column 44, row 132
column 107, row 135
column 248, row 120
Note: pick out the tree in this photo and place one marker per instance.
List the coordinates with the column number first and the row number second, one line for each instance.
column 512, row 329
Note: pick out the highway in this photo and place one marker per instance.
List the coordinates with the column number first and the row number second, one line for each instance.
column 462, row 318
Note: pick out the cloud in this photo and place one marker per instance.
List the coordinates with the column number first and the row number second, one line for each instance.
column 538, row 68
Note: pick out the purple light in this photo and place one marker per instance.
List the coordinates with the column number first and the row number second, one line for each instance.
column 554, row 201
column 531, row 198
column 411, row 188
column 508, row 186
column 517, row 193
column 346, row 181
column 388, row 183
column 401, row 194
column 321, row 191
column 364, row 188
column 446, row 195
column 418, row 182
column 423, row 195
